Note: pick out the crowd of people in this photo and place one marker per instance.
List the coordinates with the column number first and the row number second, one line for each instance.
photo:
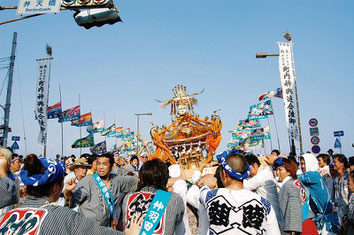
column 238, row 193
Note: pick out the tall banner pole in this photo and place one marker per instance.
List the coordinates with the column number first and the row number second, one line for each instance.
column 276, row 130
column 271, row 142
column 137, row 135
column 80, row 123
column 46, row 111
column 61, row 123
column 93, row 134
column 264, row 147
column 297, row 99
column 104, row 127
column 116, row 132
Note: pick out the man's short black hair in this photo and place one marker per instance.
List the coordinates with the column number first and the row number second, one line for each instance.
column 91, row 158
column 237, row 162
column 276, row 151
column 342, row 158
column 109, row 156
column 293, row 158
column 351, row 161
column 325, row 158
column 251, row 159
column 85, row 155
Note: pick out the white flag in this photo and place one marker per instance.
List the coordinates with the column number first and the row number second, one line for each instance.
column 288, row 79
column 42, row 94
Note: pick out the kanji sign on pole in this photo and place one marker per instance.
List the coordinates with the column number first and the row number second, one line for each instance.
column 42, row 94
column 29, row 7
column 287, row 77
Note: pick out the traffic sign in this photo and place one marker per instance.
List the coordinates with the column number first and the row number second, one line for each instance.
column 15, row 138
column 313, row 122
column 32, row 7
column 15, row 146
column 316, row 149
column 315, row 140
column 337, row 144
column 338, row 133
column 314, row 131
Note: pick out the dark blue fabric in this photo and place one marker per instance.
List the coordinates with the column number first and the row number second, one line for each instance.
column 231, row 172
column 53, row 170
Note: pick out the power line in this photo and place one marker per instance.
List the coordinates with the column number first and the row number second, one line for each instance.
column 23, row 120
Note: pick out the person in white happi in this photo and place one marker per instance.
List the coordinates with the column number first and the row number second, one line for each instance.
column 262, row 182
column 233, row 208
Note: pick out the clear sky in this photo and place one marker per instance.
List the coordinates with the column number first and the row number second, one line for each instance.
column 119, row 70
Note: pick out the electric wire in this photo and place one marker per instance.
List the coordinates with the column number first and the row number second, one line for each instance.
column 23, row 120
column 3, row 83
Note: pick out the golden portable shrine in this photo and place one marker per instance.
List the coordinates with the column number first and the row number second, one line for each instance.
column 188, row 140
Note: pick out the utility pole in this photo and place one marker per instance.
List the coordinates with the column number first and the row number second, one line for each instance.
column 9, row 91
column 137, row 129
column 287, row 36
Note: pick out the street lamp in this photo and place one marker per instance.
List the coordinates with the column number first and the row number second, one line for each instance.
column 264, row 55
column 137, row 129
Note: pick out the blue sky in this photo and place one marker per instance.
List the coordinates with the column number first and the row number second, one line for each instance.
column 119, row 70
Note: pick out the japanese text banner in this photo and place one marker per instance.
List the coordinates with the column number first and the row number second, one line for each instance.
column 42, row 94
column 287, row 78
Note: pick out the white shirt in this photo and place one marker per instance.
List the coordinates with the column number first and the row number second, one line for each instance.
column 180, row 187
column 231, row 212
column 193, row 198
column 264, row 184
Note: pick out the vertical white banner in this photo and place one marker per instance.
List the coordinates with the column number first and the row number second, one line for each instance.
column 42, row 95
column 287, row 78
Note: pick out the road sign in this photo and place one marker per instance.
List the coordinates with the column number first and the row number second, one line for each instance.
column 314, row 131
column 337, row 144
column 313, row 122
column 15, row 146
column 316, row 149
column 338, row 133
column 26, row 7
column 315, row 140
column 15, row 138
